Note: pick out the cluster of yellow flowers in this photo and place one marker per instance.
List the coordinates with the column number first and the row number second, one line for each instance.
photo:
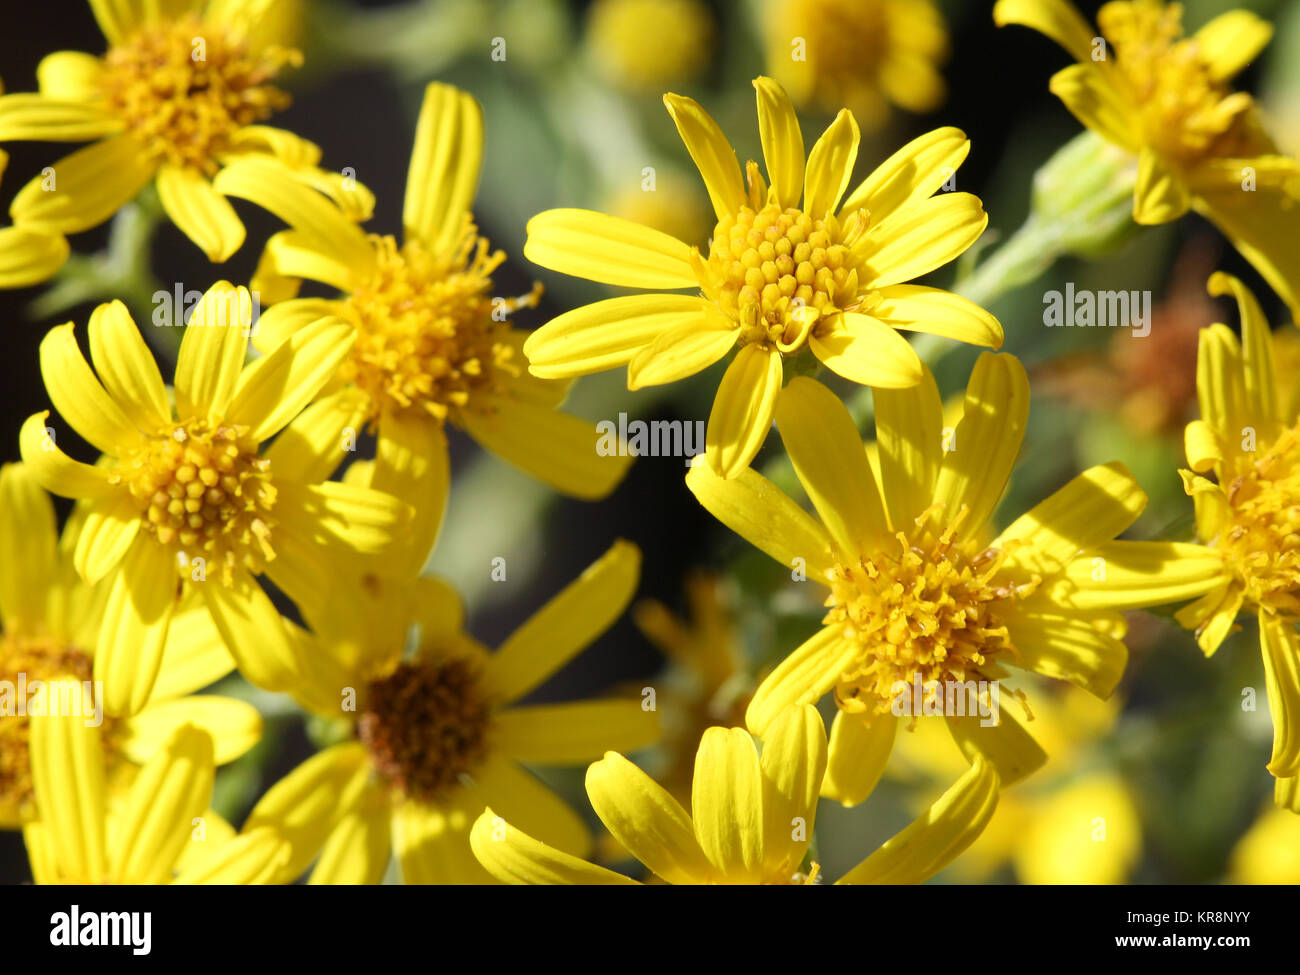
column 217, row 488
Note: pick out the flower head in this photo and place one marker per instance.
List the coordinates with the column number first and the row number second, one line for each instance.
column 187, row 499
column 751, row 818
column 181, row 92
column 432, row 737
column 792, row 265
column 1166, row 99
column 1247, row 516
column 431, row 343
column 921, row 591
column 616, row 41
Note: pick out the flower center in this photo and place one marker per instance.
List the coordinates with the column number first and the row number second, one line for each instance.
column 203, row 490
column 927, row 610
column 1261, row 542
column 185, row 88
column 426, row 726
column 27, row 662
column 429, row 335
column 1186, row 115
column 777, row 271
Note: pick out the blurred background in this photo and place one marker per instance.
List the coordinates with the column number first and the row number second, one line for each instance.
column 573, row 117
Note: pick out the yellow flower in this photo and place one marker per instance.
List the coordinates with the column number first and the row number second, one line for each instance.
column 1165, row 99
column 50, row 628
column 751, row 818
column 432, row 345
column 1075, row 824
column 161, row 832
column 186, row 501
column 779, row 278
column 865, row 54
column 617, row 33
column 921, row 589
column 178, row 95
column 1248, row 518
column 27, row 256
column 1269, row 853
column 435, row 736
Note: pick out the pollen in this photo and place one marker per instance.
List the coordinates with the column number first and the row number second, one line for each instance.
column 426, row 726
column 1261, row 541
column 923, row 608
column 26, row 662
column 185, row 88
column 1185, row 113
column 203, row 490
column 777, row 271
column 430, row 336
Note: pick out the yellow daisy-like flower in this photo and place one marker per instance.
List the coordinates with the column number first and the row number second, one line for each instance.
column 865, row 54
column 186, row 500
column 921, row 589
column 437, row 735
column 1247, row 516
column 1165, row 98
column 161, row 832
column 178, row 95
column 751, row 818
column 1076, row 823
column 50, row 623
column 432, row 345
column 616, row 41
column 780, row 277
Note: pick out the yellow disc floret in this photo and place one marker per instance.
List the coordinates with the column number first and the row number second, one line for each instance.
column 185, row 88
column 203, row 490
column 429, row 333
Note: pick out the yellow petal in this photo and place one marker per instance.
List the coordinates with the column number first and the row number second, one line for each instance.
column 170, row 792
column 111, row 525
column 67, row 764
column 1070, row 649
column 942, row 832
column 1220, row 382
column 127, row 368
column 826, row 450
column 29, row 256
column 646, row 820
column 986, row 442
column 255, row 857
column 910, row 175
column 609, row 333
column 432, row 844
column 253, row 631
column 558, row 448
column 566, row 624
column 920, row 238
column 514, row 857
column 87, row 187
column 612, row 250
column 681, row 351
column 77, row 394
column 1008, row 748
column 860, row 747
column 318, row 440
column 793, row 763
column 1258, row 372
column 203, row 215
column 290, row 255
column 713, row 155
column 1203, row 447
column 801, row 678
column 1058, row 19
column 830, row 166
column 1134, row 575
column 141, row 601
column 1260, row 225
column 579, row 731
column 41, row 118
column 1231, row 41
column 212, row 352
column 727, row 804
column 71, row 75
column 909, row 433
column 233, row 727
column 522, row 798
column 1281, row 649
column 917, row 309
column 56, row 471
column 278, row 323
column 444, row 171
column 195, row 655
column 358, row 850
column 412, row 464
column 118, row 19
column 743, row 409
column 1061, row 844
column 866, row 350
column 759, row 512
column 778, row 127
column 1161, row 194
column 28, row 547
column 1086, row 90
